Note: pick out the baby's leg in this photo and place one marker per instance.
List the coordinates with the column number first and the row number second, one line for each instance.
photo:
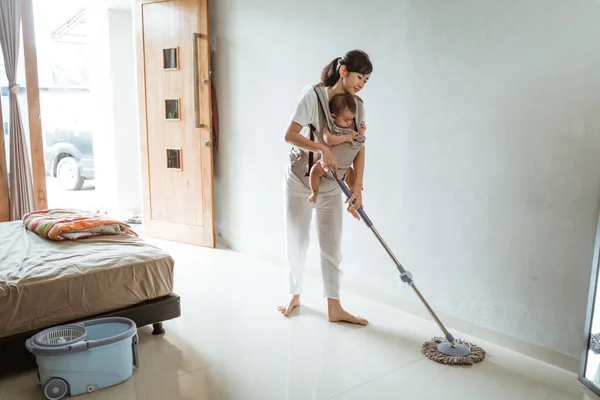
column 315, row 180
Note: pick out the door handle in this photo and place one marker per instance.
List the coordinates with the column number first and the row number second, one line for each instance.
column 195, row 37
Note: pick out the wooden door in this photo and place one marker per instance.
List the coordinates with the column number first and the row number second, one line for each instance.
column 173, row 55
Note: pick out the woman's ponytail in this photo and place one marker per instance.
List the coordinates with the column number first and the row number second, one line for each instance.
column 331, row 72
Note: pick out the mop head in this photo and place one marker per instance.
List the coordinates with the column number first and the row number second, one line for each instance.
column 595, row 343
column 430, row 350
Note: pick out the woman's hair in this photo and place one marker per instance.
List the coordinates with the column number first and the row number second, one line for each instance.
column 354, row 60
column 341, row 102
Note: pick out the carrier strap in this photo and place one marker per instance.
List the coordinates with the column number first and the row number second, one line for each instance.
column 310, row 153
column 313, row 129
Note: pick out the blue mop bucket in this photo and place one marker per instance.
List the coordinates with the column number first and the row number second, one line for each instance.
column 86, row 356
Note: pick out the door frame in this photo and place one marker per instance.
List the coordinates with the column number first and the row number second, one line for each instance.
column 204, row 130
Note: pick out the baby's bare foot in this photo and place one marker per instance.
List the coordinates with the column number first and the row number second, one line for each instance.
column 292, row 303
column 313, row 197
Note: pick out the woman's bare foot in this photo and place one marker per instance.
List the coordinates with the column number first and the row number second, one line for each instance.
column 313, row 197
column 293, row 303
column 338, row 314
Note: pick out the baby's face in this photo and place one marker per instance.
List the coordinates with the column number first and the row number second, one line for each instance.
column 345, row 119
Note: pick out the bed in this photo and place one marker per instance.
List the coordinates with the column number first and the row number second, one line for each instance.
column 45, row 283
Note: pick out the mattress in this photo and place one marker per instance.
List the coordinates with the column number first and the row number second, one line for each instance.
column 44, row 283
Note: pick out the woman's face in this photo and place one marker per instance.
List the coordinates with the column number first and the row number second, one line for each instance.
column 353, row 82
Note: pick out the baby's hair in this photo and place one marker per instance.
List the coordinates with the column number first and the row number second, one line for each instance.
column 341, row 102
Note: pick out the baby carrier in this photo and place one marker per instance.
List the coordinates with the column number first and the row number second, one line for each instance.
column 302, row 161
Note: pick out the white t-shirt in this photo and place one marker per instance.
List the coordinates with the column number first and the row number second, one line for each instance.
column 307, row 110
column 306, row 113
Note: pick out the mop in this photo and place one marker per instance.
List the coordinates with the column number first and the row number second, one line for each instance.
column 595, row 343
column 443, row 350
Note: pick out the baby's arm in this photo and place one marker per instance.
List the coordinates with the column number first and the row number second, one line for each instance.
column 333, row 140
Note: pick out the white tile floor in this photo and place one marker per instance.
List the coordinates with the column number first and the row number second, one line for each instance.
column 231, row 343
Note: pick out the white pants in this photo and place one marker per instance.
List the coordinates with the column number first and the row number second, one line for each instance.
column 329, row 228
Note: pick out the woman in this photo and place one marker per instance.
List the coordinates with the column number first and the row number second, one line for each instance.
column 344, row 74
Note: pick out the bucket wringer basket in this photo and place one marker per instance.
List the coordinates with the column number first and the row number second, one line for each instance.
column 86, row 356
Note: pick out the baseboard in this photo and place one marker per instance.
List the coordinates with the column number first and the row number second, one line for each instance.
column 549, row 356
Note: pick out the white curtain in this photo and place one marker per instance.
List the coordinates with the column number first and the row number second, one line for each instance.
column 21, row 183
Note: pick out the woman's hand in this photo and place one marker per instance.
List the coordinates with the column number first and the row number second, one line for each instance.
column 363, row 128
column 355, row 201
column 328, row 160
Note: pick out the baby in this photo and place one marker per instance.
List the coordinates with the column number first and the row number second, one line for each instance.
column 343, row 111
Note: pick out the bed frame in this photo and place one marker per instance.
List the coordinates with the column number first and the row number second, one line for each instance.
column 15, row 357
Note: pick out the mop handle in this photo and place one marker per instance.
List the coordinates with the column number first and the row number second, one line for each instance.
column 405, row 275
column 348, row 194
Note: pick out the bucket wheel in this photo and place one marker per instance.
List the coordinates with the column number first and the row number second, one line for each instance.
column 56, row 388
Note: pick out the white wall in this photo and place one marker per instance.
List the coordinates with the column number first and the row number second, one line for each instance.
column 483, row 148
column 125, row 111
column 113, row 89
